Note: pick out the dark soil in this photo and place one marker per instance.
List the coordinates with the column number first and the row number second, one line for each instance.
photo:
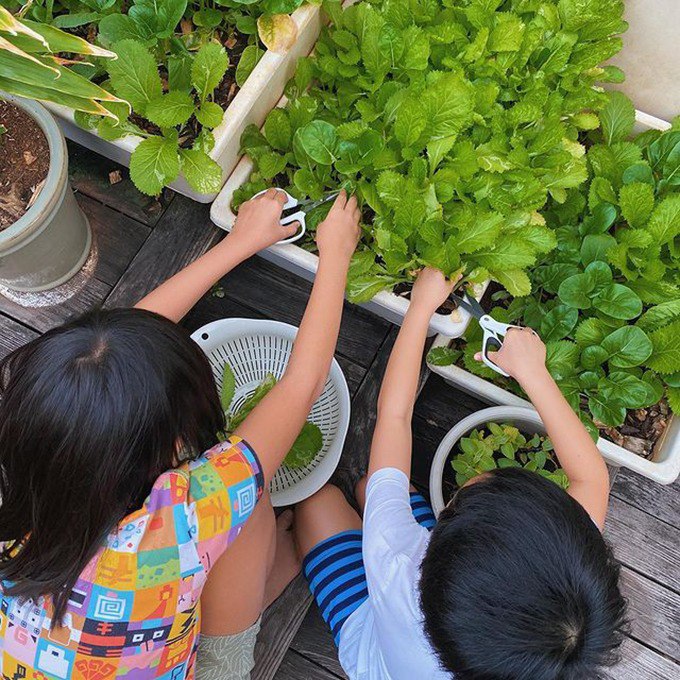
column 234, row 42
column 24, row 163
column 643, row 427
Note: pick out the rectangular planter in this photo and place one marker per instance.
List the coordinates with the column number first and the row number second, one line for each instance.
column 297, row 260
column 663, row 467
column 252, row 103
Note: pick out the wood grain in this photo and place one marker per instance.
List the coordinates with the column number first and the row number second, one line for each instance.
column 279, row 624
column 297, row 667
column 315, row 642
column 640, row 663
column 13, row 335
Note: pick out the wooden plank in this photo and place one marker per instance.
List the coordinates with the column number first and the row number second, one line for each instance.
column 296, row 667
column 315, row 642
column 279, row 624
column 184, row 233
column 640, row 663
column 354, row 459
column 89, row 174
column 117, row 239
column 653, row 612
column 658, row 500
column 87, row 293
column 644, row 543
column 13, row 335
column 279, row 295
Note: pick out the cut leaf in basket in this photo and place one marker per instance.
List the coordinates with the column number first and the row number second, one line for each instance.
column 228, row 387
column 308, row 443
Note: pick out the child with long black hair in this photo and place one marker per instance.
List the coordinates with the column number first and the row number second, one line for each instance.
column 114, row 524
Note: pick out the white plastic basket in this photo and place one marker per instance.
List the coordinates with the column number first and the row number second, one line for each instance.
column 254, row 348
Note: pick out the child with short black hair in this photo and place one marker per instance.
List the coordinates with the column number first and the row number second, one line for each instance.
column 514, row 582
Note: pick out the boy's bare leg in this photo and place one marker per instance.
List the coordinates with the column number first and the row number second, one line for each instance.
column 321, row 516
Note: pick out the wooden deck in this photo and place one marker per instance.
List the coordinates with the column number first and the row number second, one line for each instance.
column 141, row 241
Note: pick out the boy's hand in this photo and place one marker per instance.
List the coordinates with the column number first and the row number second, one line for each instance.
column 522, row 355
column 258, row 224
column 337, row 236
column 431, row 290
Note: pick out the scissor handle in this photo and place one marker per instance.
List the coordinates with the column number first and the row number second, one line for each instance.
column 494, row 332
column 298, row 216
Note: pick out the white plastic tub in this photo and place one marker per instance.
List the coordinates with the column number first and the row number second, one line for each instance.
column 252, row 103
column 297, row 260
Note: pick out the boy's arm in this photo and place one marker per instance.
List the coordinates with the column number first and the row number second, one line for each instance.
column 272, row 427
column 391, row 445
column 257, row 226
column 523, row 357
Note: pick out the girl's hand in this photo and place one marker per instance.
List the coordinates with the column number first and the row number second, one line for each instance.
column 258, row 224
column 337, row 236
column 522, row 355
column 431, row 290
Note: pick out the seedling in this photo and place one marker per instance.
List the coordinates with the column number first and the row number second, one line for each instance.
column 498, row 446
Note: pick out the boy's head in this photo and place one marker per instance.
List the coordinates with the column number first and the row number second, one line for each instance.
column 518, row 584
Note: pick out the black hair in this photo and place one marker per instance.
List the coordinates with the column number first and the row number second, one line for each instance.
column 91, row 413
column 519, row 584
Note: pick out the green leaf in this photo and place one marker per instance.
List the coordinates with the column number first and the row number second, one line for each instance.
column 201, row 172
column 515, row 281
column 605, row 411
column 627, row 347
column 617, row 118
column 305, row 447
column 595, row 247
column 665, row 357
column 660, row 315
column 664, row 224
column 154, row 164
column 249, row 58
column 558, row 323
column 561, row 358
column 210, row 114
column 260, row 392
column 590, row 332
column 277, row 31
column 134, row 75
column 228, row 388
column 576, row 291
column 277, row 129
column 410, row 122
column 116, row 27
column 618, row 301
column 319, row 140
column 208, row 68
column 171, row 109
column 627, row 390
column 637, row 202
column 443, row 356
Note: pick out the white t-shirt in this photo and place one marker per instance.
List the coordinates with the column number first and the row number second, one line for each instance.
column 384, row 638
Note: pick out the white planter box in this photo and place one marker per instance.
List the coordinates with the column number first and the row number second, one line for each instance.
column 297, row 260
column 664, row 466
column 252, row 103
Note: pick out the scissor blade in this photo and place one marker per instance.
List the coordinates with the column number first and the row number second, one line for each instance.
column 310, row 205
column 468, row 303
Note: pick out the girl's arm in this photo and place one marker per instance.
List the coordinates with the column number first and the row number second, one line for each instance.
column 391, row 445
column 272, row 427
column 523, row 357
column 257, row 226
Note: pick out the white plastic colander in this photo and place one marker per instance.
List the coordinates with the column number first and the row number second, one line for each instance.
column 253, row 348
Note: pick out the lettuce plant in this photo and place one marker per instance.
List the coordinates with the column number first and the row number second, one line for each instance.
column 454, row 120
column 498, row 446
column 607, row 300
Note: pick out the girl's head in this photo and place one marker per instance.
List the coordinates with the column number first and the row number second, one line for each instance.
column 91, row 413
column 518, row 583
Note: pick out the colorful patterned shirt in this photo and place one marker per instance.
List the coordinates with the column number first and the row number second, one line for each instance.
column 134, row 612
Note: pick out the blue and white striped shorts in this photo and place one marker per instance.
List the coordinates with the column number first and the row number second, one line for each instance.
column 335, row 570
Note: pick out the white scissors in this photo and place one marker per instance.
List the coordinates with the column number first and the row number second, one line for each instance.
column 494, row 331
column 296, row 211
